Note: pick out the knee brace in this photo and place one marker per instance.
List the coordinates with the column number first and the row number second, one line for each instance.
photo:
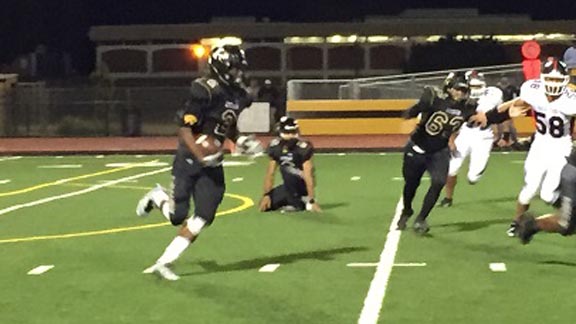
column 195, row 225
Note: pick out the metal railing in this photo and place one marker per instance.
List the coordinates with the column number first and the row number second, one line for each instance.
column 401, row 86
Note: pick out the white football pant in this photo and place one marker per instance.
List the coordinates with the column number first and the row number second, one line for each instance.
column 478, row 149
column 542, row 170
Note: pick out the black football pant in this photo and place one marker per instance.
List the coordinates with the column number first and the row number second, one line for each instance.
column 205, row 186
column 290, row 193
column 413, row 168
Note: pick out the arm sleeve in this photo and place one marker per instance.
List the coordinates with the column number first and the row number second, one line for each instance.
column 423, row 104
column 198, row 98
column 495, row 117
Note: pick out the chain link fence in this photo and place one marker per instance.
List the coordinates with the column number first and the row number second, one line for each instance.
column 36, row 111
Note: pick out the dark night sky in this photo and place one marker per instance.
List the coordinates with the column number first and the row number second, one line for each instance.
column 64, row 24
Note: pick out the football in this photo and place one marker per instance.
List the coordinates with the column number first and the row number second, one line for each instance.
column 209, row 144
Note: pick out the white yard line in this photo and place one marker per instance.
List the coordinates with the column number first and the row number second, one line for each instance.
column 60, row 166
column 497, row 267
column 80, row 192
column 375, row 297
column 362, row 264
column 153, row 164
column 40, row 270
column 269, row 267
column 410, row 264
column 10, row 158
column 374, row 264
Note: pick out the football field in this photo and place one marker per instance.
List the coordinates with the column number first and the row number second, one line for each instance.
column 75, row 215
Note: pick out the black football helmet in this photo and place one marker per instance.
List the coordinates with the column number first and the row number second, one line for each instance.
column 456, row 80
column 225, row 58
column 288, row 125
column 476, row 83
column 554, row 76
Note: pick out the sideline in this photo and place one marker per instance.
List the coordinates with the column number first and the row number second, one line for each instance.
column 375, row 297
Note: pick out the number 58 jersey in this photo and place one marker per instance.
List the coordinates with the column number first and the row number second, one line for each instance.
column 554, row 120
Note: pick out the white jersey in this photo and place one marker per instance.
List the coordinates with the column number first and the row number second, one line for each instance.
column 492, row 97
column 553, row 119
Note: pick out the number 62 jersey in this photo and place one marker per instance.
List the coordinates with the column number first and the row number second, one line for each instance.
column 554, row 119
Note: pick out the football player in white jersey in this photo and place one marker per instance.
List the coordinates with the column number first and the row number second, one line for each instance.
column 553, row 105
column 475, row 142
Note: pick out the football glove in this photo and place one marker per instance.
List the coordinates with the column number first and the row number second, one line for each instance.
column 213, row 160
column 249, row 145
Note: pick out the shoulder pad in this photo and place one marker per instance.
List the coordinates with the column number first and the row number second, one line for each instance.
column 570, row 93
column 200, row 90
column 211, row 85
column 274, row 142
column 493, row 91
column 303, row 144
column 435, row 92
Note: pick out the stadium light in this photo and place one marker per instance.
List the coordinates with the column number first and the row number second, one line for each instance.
column 198, row 51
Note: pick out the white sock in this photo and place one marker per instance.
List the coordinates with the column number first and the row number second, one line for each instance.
column 162, row 201
column 173, row 250
column 158, row 197
column 166, row 210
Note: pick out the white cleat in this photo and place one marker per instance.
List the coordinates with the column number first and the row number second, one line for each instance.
column 146, row 204
column 150, row 269
column 163, row 271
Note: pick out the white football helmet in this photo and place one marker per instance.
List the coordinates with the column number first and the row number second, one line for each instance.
column 554, row 76
column 476, row 83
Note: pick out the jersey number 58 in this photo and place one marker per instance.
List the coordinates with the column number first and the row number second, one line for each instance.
column 554, row 125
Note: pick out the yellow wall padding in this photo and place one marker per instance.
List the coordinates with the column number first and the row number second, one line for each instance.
column 356, row 126
column 376, row 125
column 350, row 105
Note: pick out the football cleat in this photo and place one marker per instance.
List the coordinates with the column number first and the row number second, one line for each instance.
column 526, row 228
column 146, row 204
column 406, row 213
column 446, row 202
column 421, row 227
column 511, row 232
column 163, row 271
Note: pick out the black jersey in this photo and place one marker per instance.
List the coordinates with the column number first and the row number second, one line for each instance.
column 290, row 155
column 211, row 109
column 441, row 117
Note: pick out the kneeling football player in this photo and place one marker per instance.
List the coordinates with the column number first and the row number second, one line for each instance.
column 293, row 156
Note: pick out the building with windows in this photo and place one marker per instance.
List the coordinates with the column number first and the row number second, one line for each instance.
column 282, row 50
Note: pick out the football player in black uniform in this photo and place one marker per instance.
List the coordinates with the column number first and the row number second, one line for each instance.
column 212, row 109
column 442, row 114
column 294, row 157
column 563, row 221
column 429, row 147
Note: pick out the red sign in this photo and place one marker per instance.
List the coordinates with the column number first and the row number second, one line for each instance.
column 530, row 50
